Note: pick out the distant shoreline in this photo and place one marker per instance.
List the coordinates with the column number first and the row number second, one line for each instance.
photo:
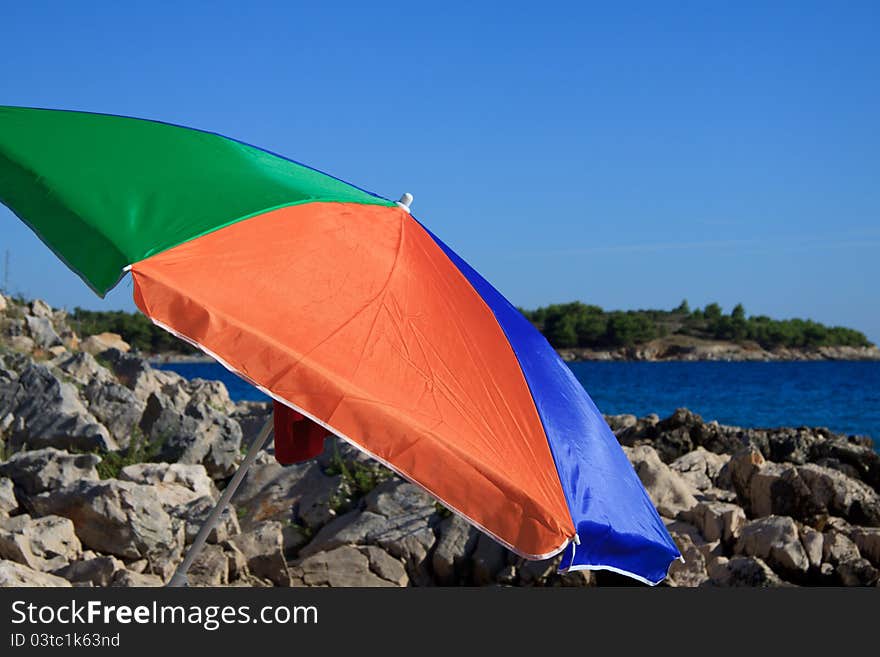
column 688, row 348
column 663, row 350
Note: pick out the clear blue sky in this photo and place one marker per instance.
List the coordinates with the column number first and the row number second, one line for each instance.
column 627, row 156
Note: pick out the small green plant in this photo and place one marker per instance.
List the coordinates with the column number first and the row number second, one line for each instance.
column 339, row 503
column 139, row 450
column 357, row 479
column 298, row 526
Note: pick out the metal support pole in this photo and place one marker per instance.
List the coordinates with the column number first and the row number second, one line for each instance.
column 179, row 577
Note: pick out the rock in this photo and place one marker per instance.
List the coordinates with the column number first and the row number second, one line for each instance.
column 96, row 570
column 670, row 493
column 251, row 416
column 210, row 393
column 397, row 518
column 717, row 495
column 199, row 434
column 859, row 458
column 619, row 423
column 857, row 572
column 49, row 469
column 838, row 548
column 868, row 542
column 13, row 326
column 791, row 445
column 300, row 492
column 40, row 308
column 639, row 433
column 21, row 343
column 830, row 523
column 692, row 571
column 117, row 517
column 44, row 544
column 834, row 492
column 176, row 499
column 51, row 414
column 385, row 566
column 407, row 533
column 456, row 543
column 579, row 578
column 812, row 542
column 347, row 565
column 82, row 368
column 3, row 304
column 192, row 477
column 352, row 528
column 8, row 503
column 674, row 526
column 127, row 578
column 263, row 547
column 17, row 575
column 488, row 559
column 211, row 568
column 137, row 375
column 766, row 488
column 774, row 539
column 236, row 562
column 742, row 571
column 138, row 566
column 717, row 520
column 778, row 489
column 194, row 514
column 700, row 468
column 116, row 407
column 97, row 344
column 42, row 332
column 316, row 495
column 741, row 468
column 673, row 434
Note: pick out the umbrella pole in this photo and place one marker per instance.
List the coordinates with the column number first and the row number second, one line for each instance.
column 179, row 577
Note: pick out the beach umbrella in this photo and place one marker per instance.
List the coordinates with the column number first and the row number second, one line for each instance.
column 350, row 314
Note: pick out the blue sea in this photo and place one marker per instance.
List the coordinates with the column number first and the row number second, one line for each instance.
column 843, row 396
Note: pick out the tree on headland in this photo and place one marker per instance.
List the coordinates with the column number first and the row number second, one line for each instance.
column 712, row 311
column 581, row 325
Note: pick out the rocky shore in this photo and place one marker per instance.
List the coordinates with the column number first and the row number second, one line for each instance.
column 109, row 466
column 687, row 348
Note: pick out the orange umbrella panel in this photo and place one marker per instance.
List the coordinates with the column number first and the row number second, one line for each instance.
column 352, row 315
